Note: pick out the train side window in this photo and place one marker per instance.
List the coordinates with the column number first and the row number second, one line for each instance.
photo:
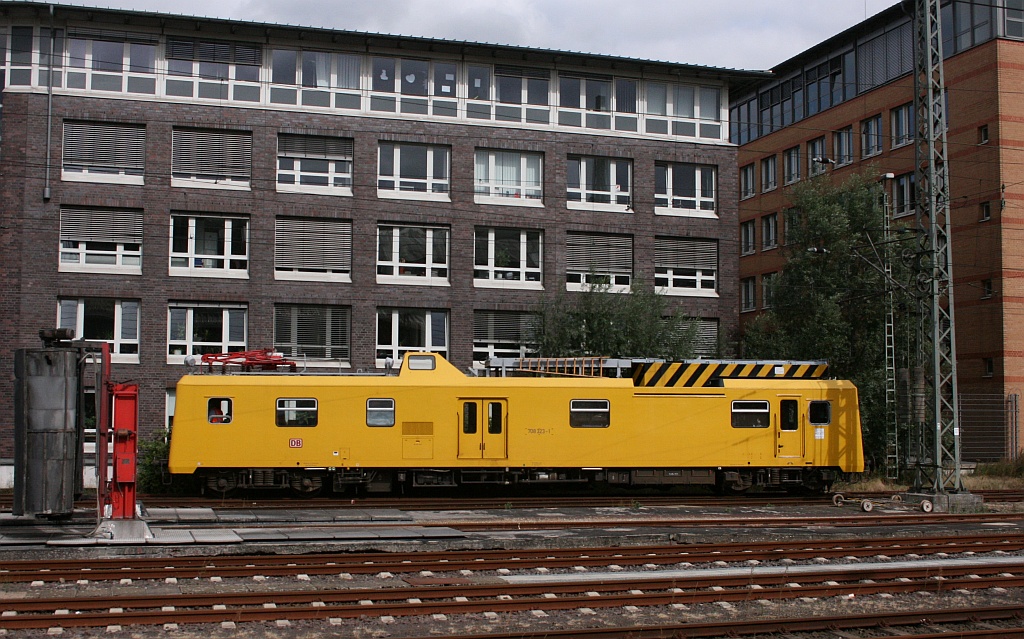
column 469, row 417
column 421, row 362
column 296, row 412
column 590, row 413
column 790, row 415
column 218, row 410
column 821, row 413
column 750, row 414
column 380, row 412
column 494, row 418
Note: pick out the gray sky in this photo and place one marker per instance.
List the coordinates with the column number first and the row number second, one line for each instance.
column 738, row 34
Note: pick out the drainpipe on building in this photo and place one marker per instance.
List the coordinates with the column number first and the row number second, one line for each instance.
column 49, row 110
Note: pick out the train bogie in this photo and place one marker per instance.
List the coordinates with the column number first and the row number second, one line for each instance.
column 430, row 426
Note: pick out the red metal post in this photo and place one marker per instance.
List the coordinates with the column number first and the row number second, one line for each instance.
column 125, row 399
column 102, row 424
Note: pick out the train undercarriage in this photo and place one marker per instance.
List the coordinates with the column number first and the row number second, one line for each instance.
column 317, row 481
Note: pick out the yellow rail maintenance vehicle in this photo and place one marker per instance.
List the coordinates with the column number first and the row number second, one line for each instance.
column 727, row 425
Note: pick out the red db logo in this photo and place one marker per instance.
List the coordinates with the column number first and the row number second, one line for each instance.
column 295, row 442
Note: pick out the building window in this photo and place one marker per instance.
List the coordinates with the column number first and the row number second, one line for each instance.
column 988, row 367
column 871, row 136
column 401, row 330
column 307, row 249
column 312, row 70
column 211, row 159
column 598, row 260
column 104, row 152
column 686, row 266
column 1014, row 19
column 415, row 171
column 101, row 241
column 748, row 300
column 685, row 189
column 790, row 225
column 769, row 231
column 769, row 168
column 314, row 164
column 97, row 319
column 706, row 341
column 412, row 255
column 984, row 211
column 904, row 196
column 747, row 181
column 816, row 156
column 768, row 289
column 508, row 177
column 310, row 331
column 986, row 288
column 208, row 246
column 983, row 134
column 747, row 241
column 791, row 165
column 599, row 183
column 110, row 65
column 903, row 125
column 842, row 146
column 196, row 329
column 213, row 70
column 507, row 258
column 502, row 334
column 516, row 85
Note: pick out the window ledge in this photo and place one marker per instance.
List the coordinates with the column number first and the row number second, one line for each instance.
column 343, row 278
column 100, row 269
column 337, row 191
column 664, row 210
column 99, row 178
column 686, row 292
column 572, row 286
column 411, row 281
column 203, row 184
column 385, row 194
column 597, row 206
column 208, row 272
column 508, row 201
column 527, row 286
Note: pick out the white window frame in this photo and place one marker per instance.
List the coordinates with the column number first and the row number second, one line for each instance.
column 815, row 149
column 603, row 257
column 435, row 188
column 768, row 289
column 501, row 334
column 489, row 189
column 769, row 173
column 216, row 64
column 871, row 136
column 587, row 197
column 121, row 346
column 181, row 315
column 323, row 158
column 686, row 267
column 747, row 186
column 770, row 231
column 100, row 241
column 336, row 330
column 83, row 66
column 702, row 202
column 748, row 294
column 106, row 152
column 748, row 237
column 308, row 249
column 388, row 345
column 192, row 263
column 903, row 195
column 394, row 271
column 902, row 118
column 488, row 274
column 842, row 146
column 791, row 165
column 224, row 163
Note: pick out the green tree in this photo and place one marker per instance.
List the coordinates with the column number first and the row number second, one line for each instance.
column 829, row 300
column 596, row 322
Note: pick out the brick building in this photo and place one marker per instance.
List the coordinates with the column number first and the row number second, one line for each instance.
column 191, row 185
column 849, row 102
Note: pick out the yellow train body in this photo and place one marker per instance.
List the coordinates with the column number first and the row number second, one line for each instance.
column 431, row 425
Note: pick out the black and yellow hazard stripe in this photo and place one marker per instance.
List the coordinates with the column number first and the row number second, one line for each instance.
column 700, row 373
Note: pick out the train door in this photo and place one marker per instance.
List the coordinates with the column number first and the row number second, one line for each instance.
column 483, row 424
column 788, row 435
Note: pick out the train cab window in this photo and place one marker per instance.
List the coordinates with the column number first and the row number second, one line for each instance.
column 821, row 413
column 380, row 412
column 494, row 422
column 590, row 413
column 789, row 417
column 296, row 412
column 218, row 410
column 750, row 414
column 469, row 417
column 421, row 363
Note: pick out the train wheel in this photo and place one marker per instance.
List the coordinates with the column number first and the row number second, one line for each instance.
column 306, row 485
column 221, row 484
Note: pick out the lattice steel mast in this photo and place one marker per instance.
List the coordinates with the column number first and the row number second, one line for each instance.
column 938, row 459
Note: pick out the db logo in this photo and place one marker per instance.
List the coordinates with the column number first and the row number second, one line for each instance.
column 295, row 442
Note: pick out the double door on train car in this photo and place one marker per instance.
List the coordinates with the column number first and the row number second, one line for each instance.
column 483, row 426
column 789, row 436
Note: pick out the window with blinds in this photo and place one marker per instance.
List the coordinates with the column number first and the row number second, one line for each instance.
column 318, row 332
column 706, row 341
column 598, row 260
column 502, row 334
column 113, row 321
column 101, row 240
column 307, row 249
column 202, row 157
column 314, row 164
column 104, row 152
column 684, row 266
column 196, row 329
